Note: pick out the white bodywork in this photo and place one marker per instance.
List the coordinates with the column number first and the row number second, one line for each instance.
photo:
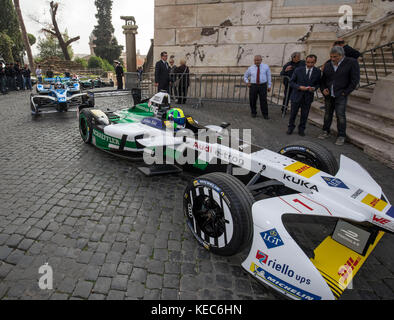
column 275, row 258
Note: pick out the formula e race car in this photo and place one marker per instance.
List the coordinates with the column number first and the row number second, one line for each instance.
column 307, row 224
column 57, row 95
column 95, row 83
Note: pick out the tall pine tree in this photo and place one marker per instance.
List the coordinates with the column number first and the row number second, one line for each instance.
column 107, row 46
column 11, row 46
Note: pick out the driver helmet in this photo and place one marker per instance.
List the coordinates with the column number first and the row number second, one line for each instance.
column 59, row 85
column 177, row 116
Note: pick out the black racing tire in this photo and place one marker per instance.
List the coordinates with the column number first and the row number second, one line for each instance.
column 85, row 125
column 312, row 154
column 218, row 209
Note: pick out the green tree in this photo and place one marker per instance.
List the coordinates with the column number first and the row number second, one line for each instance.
column 32, row 39
column 99, row 63
column 6, row 44
column 54, row 30
column 49, row 47
column 9, row 26
column 107, row 46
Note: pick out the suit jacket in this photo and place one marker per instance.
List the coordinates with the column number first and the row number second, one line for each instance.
column 162, row 74
column 300, row 78
column 344, row 80
column 289, row 73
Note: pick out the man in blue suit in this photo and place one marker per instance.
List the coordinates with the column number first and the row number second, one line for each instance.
column 304, row 82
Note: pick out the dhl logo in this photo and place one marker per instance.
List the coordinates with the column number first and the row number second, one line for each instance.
column 302, row 169
column 346, row 270
column 374, row 202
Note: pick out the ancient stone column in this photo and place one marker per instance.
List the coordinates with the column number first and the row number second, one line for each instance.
column 130, row 30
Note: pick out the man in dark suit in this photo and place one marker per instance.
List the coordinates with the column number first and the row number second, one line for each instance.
column 340, row 77
column 304, row 82
column 162, row 73
column 287, row 71
column 349, row 51
column 119, row 75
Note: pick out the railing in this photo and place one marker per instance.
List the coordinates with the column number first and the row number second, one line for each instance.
column 200, row 88
column 375, row 62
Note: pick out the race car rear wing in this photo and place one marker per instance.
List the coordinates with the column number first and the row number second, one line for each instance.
column 135, row 93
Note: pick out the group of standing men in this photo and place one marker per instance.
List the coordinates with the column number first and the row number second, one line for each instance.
column 336, row 79
column 14, row 78
column 172, row 79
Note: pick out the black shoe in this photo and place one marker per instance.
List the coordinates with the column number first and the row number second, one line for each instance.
column 289, row 131
column 254, row 115
column 301, row 133
column 266, row 117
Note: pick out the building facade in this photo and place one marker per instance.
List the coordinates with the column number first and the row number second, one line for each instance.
column 222, row 36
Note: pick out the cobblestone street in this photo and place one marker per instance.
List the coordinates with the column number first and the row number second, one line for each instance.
column 109, row 232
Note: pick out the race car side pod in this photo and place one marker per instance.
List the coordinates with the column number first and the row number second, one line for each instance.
column 277, row 260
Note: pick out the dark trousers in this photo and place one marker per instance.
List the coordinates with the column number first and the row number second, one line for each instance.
column 28, row 83
column 182, row 91
column 258, row 91
column 11, row 83
column 337, row 104
column 164, row 87
column 287, row 94
column 295, row 107
column 120, row 82
column 3, row 85
column 173, row 91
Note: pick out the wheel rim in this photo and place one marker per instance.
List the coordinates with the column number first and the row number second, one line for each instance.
column 209, row 216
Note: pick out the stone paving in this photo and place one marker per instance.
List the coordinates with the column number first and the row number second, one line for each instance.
column 109, row 232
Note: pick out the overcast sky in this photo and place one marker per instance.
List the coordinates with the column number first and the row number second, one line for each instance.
column 78, row 16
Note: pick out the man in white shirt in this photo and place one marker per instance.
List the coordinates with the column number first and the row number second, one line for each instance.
column 258, row 79
column 39, row 74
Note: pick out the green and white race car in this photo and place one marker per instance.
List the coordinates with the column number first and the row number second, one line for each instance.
column 264, row 209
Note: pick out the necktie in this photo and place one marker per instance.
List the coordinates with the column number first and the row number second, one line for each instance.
column 309, row 74
column 258, row 75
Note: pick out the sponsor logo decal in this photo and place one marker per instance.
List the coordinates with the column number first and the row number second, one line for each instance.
column 302, row 169
column 153, row 122
column 201, row 147
column 374, row 202
column 380, row 220
column 282, row 285
column 356, row 194
column 285, row 269
column 106, row 138
column 208, row 184
column 346, row 270
column 271, row 238
column 300, row 182
column 335, row 182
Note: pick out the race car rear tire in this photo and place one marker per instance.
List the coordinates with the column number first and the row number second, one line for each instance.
column 217, row 207
column 85, row 126
column 312, row 154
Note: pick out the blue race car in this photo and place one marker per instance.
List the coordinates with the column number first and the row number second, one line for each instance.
column 57, row 95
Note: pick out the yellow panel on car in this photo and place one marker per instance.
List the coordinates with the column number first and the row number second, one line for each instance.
column 374, row 202
column 302, row 169
column 338, row 264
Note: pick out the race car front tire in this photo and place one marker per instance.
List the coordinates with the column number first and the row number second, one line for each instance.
column 217, row 207
column 312, row 154
column 85, row 125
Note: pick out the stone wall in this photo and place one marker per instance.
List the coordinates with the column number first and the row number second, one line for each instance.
column 224, row 35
